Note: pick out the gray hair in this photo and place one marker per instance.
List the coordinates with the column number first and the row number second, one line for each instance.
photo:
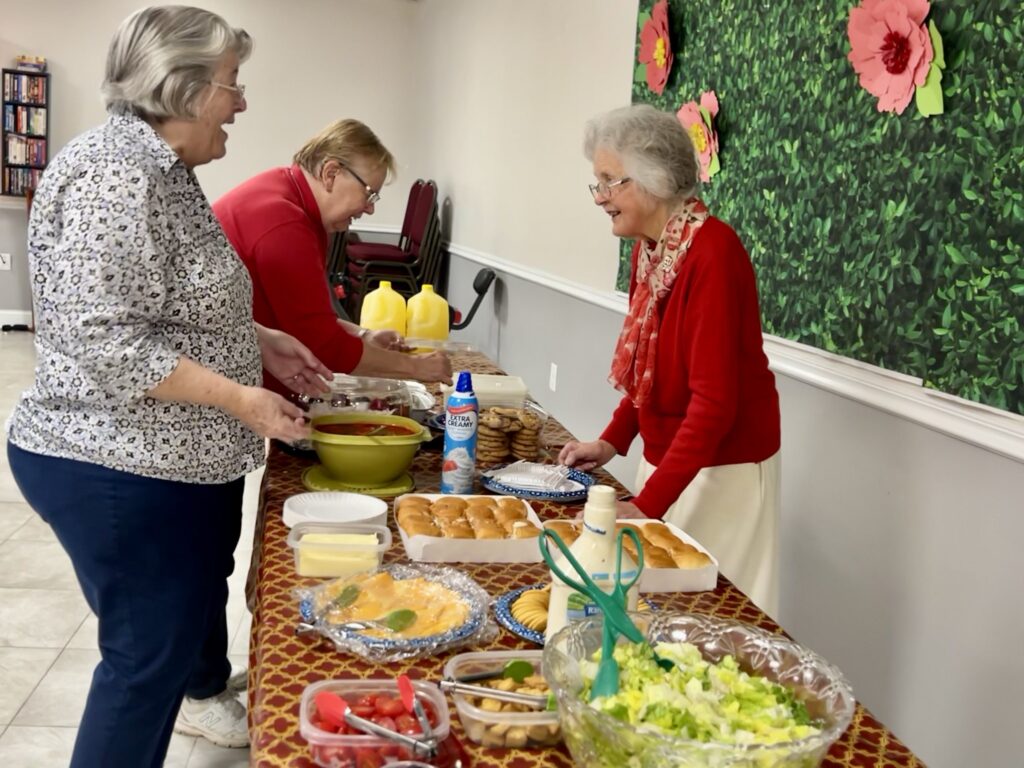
column 656, row 152
column 161, row 58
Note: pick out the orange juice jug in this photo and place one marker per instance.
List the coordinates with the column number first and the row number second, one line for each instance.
column 427, row 316
column 383, row 309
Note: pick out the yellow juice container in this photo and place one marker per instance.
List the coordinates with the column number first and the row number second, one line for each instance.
column 383, row 309
column 427, row 315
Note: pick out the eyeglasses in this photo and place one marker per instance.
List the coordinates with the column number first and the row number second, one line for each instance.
column 604, row 188
column 238, row 90
column 371, row 196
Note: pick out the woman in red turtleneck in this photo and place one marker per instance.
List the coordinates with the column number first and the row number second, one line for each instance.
column 689, row 362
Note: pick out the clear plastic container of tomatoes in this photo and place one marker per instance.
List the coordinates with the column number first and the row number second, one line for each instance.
column 377, row 700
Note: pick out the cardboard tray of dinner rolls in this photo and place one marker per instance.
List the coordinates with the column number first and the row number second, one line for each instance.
column 438, row 549
column 670, row 579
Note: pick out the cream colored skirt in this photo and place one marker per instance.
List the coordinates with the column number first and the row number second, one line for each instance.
column 733, row 511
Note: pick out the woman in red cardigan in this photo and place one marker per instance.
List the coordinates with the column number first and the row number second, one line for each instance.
column 689, row 361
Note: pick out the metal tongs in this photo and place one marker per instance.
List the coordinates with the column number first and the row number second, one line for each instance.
column 335, row 710
column 482, row 691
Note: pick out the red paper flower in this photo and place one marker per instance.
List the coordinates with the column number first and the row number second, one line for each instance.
column 698, row 120
column 890, row 49
column 655, row 49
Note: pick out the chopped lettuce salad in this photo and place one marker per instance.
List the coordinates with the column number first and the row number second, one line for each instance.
column 699, row 700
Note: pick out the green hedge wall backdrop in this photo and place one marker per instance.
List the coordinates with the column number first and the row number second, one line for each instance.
column 891, row 239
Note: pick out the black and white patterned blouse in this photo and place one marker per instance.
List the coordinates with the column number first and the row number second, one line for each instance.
column 130, row 271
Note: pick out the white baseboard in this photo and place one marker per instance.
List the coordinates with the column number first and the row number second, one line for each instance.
column 15, row 317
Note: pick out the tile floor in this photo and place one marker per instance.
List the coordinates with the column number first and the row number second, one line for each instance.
column 47, row 633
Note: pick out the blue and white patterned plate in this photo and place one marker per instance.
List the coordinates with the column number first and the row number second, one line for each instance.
column 503, row 613
column 568, row 497
column 436, row 421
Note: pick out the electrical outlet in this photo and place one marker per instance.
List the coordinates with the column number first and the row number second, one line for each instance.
column 553, row 378
column 5, row 261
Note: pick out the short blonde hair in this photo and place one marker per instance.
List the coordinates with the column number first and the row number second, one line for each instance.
column 656, row 151
column 161, row 59
column 344, row 141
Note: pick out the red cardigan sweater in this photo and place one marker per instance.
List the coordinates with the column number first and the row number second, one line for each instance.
column 713, row 400
column 274, row 224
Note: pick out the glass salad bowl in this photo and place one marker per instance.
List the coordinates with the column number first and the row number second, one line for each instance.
column 596, row 739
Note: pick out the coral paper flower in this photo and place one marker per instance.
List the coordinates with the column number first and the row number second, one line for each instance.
column 890, row 49
column 698, row 120
column 655, row 49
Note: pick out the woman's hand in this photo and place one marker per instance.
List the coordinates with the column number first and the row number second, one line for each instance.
column 431, row 367
column 627, row 510
column 268, row 414
column 586, row 456
column 388, row 340
column 290, row 362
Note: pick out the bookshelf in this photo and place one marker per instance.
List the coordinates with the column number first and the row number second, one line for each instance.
column 25, row 136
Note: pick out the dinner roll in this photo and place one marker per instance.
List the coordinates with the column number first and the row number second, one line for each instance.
column 656, row 557
column 693, row 558
column 446, row 513
column 449, row 501
column 407, row 514
column 420, row 528
column 566, row 530
column 480, row 515
column 489, row 531
column 412, row 501
column 503, row 514
column 524, row 529
column 456, row 529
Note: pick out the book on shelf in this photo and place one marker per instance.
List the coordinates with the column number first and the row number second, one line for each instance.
column 26, row 88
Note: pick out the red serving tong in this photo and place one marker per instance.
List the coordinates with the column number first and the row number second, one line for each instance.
column 413, row 706
column 335, row 710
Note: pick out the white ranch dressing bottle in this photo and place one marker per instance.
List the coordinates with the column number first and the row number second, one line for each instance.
column 594, row 550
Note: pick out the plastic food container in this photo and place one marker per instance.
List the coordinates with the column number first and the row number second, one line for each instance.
column 364, row 393
column 494, row 391
column 333, row 749
column 521, row 730
column 337, row 549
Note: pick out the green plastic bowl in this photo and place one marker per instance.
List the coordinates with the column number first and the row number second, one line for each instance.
column 367, row 460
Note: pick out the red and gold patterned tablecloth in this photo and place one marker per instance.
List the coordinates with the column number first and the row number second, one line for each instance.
column 281, row 665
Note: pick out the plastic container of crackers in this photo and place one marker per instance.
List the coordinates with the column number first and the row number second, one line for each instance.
column 673, row 560
column 438, row 528
column 507, row 434
column 497, row 724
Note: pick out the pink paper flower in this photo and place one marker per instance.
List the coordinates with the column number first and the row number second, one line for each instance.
column 655, row 48
column 890, row 49
column 698, row 120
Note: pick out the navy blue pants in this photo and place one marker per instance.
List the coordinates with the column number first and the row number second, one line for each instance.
column 152, row 558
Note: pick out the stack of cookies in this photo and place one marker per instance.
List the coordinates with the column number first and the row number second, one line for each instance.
column 505, row 431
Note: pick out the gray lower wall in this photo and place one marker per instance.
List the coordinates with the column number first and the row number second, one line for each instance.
column 15, row 296
column 899, row 545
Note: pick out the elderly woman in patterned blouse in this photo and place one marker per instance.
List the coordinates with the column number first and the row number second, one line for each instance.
column 147, row 410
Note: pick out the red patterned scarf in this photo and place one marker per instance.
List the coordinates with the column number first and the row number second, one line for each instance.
column 657, row 267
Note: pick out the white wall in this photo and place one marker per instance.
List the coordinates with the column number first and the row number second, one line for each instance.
column 313, row 62
column 509, row 86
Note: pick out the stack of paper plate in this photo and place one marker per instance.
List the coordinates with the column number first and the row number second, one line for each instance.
column 332, row 507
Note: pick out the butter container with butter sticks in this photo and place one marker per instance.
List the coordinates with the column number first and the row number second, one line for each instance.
column 329, row 550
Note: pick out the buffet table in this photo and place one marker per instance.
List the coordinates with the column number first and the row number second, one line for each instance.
column 281, row 664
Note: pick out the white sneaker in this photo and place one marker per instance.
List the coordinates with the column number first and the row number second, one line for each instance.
column 238, row 682
column 219, row 719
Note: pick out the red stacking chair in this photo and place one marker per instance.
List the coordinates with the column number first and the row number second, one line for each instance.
column 408, row 269
column 356, row 249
